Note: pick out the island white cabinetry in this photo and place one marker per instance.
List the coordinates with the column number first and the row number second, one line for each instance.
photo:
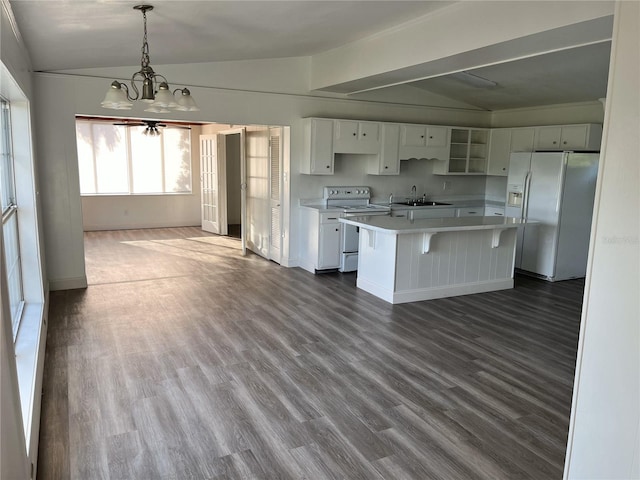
column 424, row 141
column 351, row 136
column 388, row 161
column 321, row 236
column 318, row 145
column 406, row 261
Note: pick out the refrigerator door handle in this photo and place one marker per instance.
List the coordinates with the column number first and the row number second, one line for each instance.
column 525, row 203
column 563, row 171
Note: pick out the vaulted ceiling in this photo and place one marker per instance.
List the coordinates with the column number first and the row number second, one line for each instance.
column 76, row 34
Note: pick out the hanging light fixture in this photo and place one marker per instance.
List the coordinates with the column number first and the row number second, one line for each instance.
column 155, row 88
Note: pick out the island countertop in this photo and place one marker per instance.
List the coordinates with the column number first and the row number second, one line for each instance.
column 402, row 225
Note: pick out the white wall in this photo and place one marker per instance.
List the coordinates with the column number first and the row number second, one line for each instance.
column 604, row 436
column 16, row 451
column 115, row 212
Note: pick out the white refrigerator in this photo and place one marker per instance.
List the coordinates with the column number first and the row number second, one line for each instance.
column 554, row 192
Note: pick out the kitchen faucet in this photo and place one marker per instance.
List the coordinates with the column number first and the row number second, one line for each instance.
column 413, row 193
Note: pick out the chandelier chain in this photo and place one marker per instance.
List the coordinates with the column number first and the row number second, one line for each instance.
column 145, row 61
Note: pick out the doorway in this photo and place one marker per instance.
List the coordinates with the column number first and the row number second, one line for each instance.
column 242, row 177
column 234, row 182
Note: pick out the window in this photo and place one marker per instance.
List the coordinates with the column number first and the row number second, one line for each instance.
column 10, row 220
column 121, row 160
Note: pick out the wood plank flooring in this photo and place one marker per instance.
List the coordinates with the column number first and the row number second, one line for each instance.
column 184, row 360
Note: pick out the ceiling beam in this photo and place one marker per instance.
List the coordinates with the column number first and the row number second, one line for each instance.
column 463, row 36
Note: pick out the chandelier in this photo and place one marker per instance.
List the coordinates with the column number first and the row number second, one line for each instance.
column 155, row 88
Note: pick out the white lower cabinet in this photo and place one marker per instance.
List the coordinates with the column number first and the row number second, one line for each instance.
column 424, row 212
column 494, row 211
column 320, row 239
column 329, row 248
column 470, row 212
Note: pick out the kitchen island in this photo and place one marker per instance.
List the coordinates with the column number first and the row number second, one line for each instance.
column 402, row 260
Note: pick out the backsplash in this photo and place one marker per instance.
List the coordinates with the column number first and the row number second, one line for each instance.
column 349, row 170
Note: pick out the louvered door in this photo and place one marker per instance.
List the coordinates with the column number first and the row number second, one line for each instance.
column 275, row 177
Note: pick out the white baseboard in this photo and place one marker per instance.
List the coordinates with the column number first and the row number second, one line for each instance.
column 67, row 283
column 136, row 226
column 435, row 292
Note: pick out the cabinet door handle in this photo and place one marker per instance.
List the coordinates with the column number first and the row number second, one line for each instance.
column 430, row 136
column 554, row 142
column 564, row 143
column 354, row 134
column 364, row 134
column 421, row 136
column 337, row 229
column 386, row 166
column 328, row 166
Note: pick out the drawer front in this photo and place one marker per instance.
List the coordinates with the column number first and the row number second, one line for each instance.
column 471, row 212
column 329, row 217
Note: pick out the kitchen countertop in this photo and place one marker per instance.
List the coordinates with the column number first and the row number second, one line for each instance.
column 401, row 225
column 452, row 204
column 321, row 207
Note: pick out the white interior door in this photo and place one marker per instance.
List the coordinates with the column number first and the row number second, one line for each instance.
column 275, row 194
column 213, row 184
column 243, row 190
column 258, row 212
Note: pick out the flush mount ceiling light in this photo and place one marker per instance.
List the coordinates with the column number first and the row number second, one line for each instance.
column 155, row 88
column 474, row 80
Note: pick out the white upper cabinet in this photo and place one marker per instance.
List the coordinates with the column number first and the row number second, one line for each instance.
column 467, row 153
column 452, row 150
column 569, row 137
column 522, row 139
column 388, row 161
column 318, row 146
column 352, row 136
column 423, row 141
column 504, row 141
column 499, row 151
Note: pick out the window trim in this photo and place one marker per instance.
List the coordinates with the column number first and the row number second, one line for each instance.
column 8, row 213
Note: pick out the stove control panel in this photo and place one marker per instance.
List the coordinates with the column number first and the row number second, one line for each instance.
column 346, row 193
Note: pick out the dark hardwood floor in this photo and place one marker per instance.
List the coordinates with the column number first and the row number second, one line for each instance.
column 184, row 360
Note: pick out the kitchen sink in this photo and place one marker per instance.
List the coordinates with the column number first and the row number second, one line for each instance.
column 420, row 203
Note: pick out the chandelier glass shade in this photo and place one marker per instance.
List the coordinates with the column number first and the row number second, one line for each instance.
column 155, row 88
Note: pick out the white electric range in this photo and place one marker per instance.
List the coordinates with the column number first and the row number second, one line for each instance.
column 351, row 202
